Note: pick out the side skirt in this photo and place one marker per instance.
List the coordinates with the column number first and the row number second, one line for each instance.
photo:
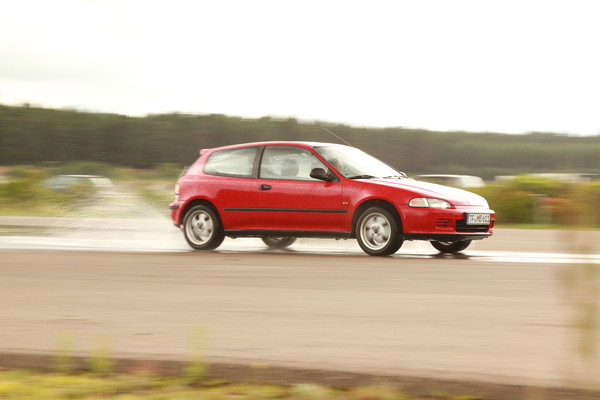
column 235, row 233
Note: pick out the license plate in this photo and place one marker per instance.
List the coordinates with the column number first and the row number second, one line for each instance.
column 478, row 219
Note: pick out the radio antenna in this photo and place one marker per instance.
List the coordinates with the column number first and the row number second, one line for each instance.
column 327, row 130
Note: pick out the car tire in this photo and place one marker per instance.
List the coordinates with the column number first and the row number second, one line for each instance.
column 451, row 247
column 276, row 242
column 378, row 232
column 202, row 228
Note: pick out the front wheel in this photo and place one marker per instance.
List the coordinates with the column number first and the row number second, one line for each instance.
column 378, row 233
column 202, row 228
column 451, row 247
column 276, row 242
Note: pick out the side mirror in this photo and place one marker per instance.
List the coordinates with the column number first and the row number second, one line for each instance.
column 322, row 175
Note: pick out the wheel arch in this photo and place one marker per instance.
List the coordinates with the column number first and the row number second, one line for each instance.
column 375, row 203
column 197, row 202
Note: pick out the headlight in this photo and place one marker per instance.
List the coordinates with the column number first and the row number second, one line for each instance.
column 427, row 202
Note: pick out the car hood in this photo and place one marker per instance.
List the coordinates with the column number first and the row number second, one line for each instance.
column 457, row 197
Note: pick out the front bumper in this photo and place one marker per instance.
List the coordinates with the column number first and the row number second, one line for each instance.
column 445, row 237
column 444, row 224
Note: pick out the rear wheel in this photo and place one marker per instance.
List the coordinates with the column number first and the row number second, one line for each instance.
column 276, row 242
column 202, row 228
column 378, row 233
column 451, row 247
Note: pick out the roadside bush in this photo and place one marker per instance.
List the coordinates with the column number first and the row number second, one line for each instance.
column 538, row 185
column 19, row 190
column 25, row 190
column 535, row 200
column 168, row 170
column 29, row 194
column 511, row 206
column 549, row 199
column 22, row 172
column 584, row 204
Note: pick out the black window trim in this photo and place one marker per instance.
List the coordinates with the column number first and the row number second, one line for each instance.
column 309, row 150
column 260, row 150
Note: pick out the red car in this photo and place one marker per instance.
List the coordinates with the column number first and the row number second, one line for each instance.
column 279, row 191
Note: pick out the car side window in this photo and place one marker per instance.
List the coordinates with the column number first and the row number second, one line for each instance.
column 286, row 162
column 231, row 162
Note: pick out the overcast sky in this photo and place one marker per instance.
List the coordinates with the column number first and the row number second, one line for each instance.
column 501, row 66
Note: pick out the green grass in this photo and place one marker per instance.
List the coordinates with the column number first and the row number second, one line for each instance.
column 19, row 384
column 46, row 211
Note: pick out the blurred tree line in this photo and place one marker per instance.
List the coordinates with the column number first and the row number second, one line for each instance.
column 33, row 135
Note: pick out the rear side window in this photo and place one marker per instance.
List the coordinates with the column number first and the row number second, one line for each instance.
column 231, row 162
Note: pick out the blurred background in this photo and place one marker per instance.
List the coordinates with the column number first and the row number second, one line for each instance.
column 52, row 160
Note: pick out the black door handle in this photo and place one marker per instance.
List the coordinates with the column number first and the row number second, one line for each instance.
column 264, row 187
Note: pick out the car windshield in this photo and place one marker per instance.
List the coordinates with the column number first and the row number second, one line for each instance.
column 356, row 164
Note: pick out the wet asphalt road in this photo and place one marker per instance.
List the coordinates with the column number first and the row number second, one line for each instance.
column 499, row 313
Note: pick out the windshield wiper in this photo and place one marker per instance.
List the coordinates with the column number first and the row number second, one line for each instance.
column 362, row 177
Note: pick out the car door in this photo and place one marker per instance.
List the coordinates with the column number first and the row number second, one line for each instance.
column 287, row 198
column 229, row 182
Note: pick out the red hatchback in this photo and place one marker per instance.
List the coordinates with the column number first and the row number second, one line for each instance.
column 279, row 191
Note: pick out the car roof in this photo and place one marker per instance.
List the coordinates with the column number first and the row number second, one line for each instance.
column 268, row 143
